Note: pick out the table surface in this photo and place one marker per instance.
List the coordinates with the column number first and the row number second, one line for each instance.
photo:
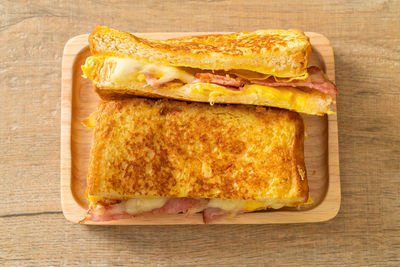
column 365, row 36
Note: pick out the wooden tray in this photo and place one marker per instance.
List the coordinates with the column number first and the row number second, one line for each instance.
column 78, row 100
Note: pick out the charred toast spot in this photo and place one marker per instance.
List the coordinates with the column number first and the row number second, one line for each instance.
column 165, row 111
column 203, row 138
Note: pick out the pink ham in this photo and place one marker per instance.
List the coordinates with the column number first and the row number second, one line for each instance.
column 109, row 217
column 155, row 82
column 217, row 79
column 316, row 80
column 116, row 210
column 176, row 205
column 108, row 210
column 106, row 213
column 211, row 213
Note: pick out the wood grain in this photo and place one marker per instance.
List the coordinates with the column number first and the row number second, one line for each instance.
column 78, row 100
column 365, row 37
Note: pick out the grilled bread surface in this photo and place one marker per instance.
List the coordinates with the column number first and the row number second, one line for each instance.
column 282, row 53
column 164, row 148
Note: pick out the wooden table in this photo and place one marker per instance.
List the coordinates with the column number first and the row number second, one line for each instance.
column 365, row 37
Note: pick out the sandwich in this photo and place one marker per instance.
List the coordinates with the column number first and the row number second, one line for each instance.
column 264, row 67
column 166, row 157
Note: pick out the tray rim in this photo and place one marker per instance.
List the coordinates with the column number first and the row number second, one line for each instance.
column 327, row 209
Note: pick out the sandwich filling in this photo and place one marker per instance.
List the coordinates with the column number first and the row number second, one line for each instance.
column 312, row 94
column 111, row 209
column 128, row 70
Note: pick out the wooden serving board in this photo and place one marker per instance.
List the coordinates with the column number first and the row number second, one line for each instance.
column 78, row 100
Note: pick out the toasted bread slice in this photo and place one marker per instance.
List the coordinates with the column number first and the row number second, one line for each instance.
column 144, row 148
column 281, row 53
column 112, row 81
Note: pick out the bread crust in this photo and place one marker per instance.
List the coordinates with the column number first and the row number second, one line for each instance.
column 282, row 53
column 152, row 148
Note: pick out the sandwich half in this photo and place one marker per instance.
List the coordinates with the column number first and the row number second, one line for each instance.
column 167, row 157
column 264, row 67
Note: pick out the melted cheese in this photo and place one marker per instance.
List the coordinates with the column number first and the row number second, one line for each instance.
column 123, row 71
column 90, row 122
column 252, row 75
column 146, row 204
column 297, row 99
column 213, row 90
column 310, row 200
column 138, row 205
column 128, row 69
column 235, row 205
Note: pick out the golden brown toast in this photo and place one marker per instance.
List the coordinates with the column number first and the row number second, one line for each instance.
column 281, row 53
column 148, row 148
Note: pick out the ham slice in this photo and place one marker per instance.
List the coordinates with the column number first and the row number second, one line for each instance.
column 116, row 210
column 316, row 80
column 108, row 217
column 176, row 205
column 155, row 82
column 217, row 79
column 108, row 210
column 211, row 213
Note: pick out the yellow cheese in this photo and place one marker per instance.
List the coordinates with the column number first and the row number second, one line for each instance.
column 297, row 99
column 213, row 90
column 270, row 92
column 310, row 200
column 128, row 69
column 236, row 205
column 125, row 69
column 252, row 75
column 143, row 204
column 138, row 205
column 226, row 204
column 90, row 122
column 124, row 73
column 253, row 205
